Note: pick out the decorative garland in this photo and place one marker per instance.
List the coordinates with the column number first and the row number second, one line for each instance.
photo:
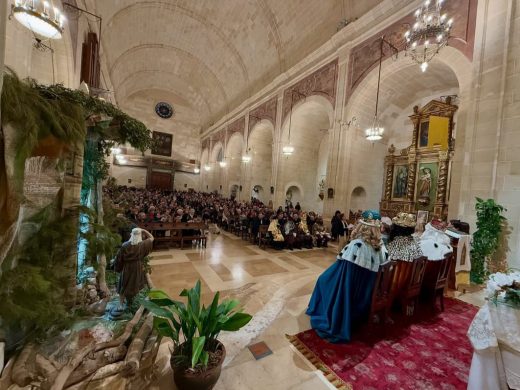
column 39, row 110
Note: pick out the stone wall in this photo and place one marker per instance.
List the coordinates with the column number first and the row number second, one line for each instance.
column 483, row 71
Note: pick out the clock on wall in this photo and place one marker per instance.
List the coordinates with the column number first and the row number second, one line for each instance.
column 164, row 110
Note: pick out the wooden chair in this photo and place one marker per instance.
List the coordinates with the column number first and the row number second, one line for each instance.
column 413, row 287
column 382, row 295
column 263, row 236
column 244, row 230
column 442, row 279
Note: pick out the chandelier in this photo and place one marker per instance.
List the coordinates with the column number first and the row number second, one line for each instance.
column 40, row 17
column 222, row 164
column 429, row 34
column 207, row 168
column 196, row 170
column 246, row 158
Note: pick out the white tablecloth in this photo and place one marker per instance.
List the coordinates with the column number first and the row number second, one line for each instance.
column 495, row 336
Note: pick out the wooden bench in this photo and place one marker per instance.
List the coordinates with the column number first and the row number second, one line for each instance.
column 175, row 230
column 201, row 227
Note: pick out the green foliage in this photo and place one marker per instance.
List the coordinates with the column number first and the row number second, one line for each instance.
column 101, row 239
column 486, row 239
column 199, row 326
column 95, row 165
column 32, row 293
column 39, row 111
column 37, row 118
column 121, row 129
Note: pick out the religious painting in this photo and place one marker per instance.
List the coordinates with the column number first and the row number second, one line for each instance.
column 424, row 130
column 426, row 191
column 162, row 144
column 422, row 217
column 400, row 186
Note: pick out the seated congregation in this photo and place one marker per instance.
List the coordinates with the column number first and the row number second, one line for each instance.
column 176, row 216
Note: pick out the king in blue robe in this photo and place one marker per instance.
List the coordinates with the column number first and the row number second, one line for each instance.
column 343, row 293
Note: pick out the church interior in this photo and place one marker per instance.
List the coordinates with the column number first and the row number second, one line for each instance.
column 244, row 194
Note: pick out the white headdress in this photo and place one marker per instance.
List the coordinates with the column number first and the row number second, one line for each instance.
column 136, row 236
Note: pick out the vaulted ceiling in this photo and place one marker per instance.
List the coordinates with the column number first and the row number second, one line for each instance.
column 207, row 56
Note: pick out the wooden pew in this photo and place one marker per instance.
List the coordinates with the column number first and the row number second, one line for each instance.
column 175, row 230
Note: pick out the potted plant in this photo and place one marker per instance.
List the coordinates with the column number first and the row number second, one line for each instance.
column 486, row 240
column 197, row 355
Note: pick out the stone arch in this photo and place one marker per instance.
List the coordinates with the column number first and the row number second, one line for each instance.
column 294, row 193
column 234, row 151
column 234, row 190
column 310, row 122
column 259, row 170
column 258, row 192
column 403, row 85
column 216, row 175
column 215, row 152
column 358, row 199
column 204, row 174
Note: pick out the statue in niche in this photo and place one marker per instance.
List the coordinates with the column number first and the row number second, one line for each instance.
column 401, row 180
column 425, row 186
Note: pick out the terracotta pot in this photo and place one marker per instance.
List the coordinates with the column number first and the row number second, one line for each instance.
column 185, row 380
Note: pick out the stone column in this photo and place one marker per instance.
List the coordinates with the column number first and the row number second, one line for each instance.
column 278, row 195
column 491, row 162
column 344, row 127
column 337, row 133
column 245, row 172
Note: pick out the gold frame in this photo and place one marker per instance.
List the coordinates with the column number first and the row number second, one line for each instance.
column 413, row 156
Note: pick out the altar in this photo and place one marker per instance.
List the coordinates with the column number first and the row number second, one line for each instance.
column 417, row 179
column 495, row 336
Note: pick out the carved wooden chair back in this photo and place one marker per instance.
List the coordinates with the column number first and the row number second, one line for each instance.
column 382, row 294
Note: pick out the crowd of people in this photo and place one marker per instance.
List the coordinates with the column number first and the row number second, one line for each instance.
column 289, row 227
column 343, row 293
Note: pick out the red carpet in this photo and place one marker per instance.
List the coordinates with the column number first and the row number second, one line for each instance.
column 431, row 352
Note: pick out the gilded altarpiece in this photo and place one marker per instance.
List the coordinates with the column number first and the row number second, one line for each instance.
column 418, row 178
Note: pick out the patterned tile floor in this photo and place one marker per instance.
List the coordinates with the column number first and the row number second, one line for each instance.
column 273, row 286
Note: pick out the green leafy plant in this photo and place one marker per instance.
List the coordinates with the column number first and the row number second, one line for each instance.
column 193, row 328
column 486, row 239
column 33, row 293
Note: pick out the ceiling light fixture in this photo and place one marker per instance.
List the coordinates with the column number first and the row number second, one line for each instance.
column 196, row 170
column 41, row 17
column 375, row 132
column 288, row 149
column 207, row 168
column 429, row 34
